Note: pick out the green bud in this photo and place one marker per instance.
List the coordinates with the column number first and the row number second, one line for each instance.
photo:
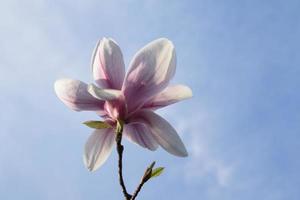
column 157, row 171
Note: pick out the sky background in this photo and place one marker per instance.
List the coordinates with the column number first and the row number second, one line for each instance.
column 241, row 128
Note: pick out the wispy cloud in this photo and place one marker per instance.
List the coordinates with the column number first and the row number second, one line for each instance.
column 200, row 136
column 203, row 163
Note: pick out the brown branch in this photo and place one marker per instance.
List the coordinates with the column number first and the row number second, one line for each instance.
column 144, row 179
column 138, row 189
column 120, row 150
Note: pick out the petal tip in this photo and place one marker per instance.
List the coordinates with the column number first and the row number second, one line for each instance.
column 189, row 92
column 59, row 85
column 90, row 169
column 103, row 39
column 109, row 41
column 166, row 40
column 184, row 92
column 167, row 43
column 182, row 152
column 88, row 165
column 185, row 154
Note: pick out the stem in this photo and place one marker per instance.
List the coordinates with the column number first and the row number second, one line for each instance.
column 138, row 189
column 120, row 150
column 144, row 179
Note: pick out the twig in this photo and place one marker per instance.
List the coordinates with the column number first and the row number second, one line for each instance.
column 144, row 179
column 120, row 150
column 138, row 189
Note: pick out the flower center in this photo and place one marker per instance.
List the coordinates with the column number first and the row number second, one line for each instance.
column 116, row 109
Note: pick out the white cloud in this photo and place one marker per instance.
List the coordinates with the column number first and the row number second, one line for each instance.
column 203, row 163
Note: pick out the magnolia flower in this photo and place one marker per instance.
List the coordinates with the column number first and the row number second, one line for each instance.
column 132, row 98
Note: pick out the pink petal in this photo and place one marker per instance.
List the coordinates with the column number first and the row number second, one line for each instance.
column 151, row 70
column 108, row 65
column 97, row 148
column 139, row 134
column 170, row 95
column 164, row 134
column 73, row 93
column 104, row 94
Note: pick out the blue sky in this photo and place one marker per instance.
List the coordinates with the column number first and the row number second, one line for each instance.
column 241, row 128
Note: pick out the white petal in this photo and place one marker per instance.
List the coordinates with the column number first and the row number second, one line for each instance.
column 98, row 148
column 108, row 65
column 150, row 72
column 164, row 134
column 139, row 134
column 103, row 94
column 170, row 95
column 74, row 94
